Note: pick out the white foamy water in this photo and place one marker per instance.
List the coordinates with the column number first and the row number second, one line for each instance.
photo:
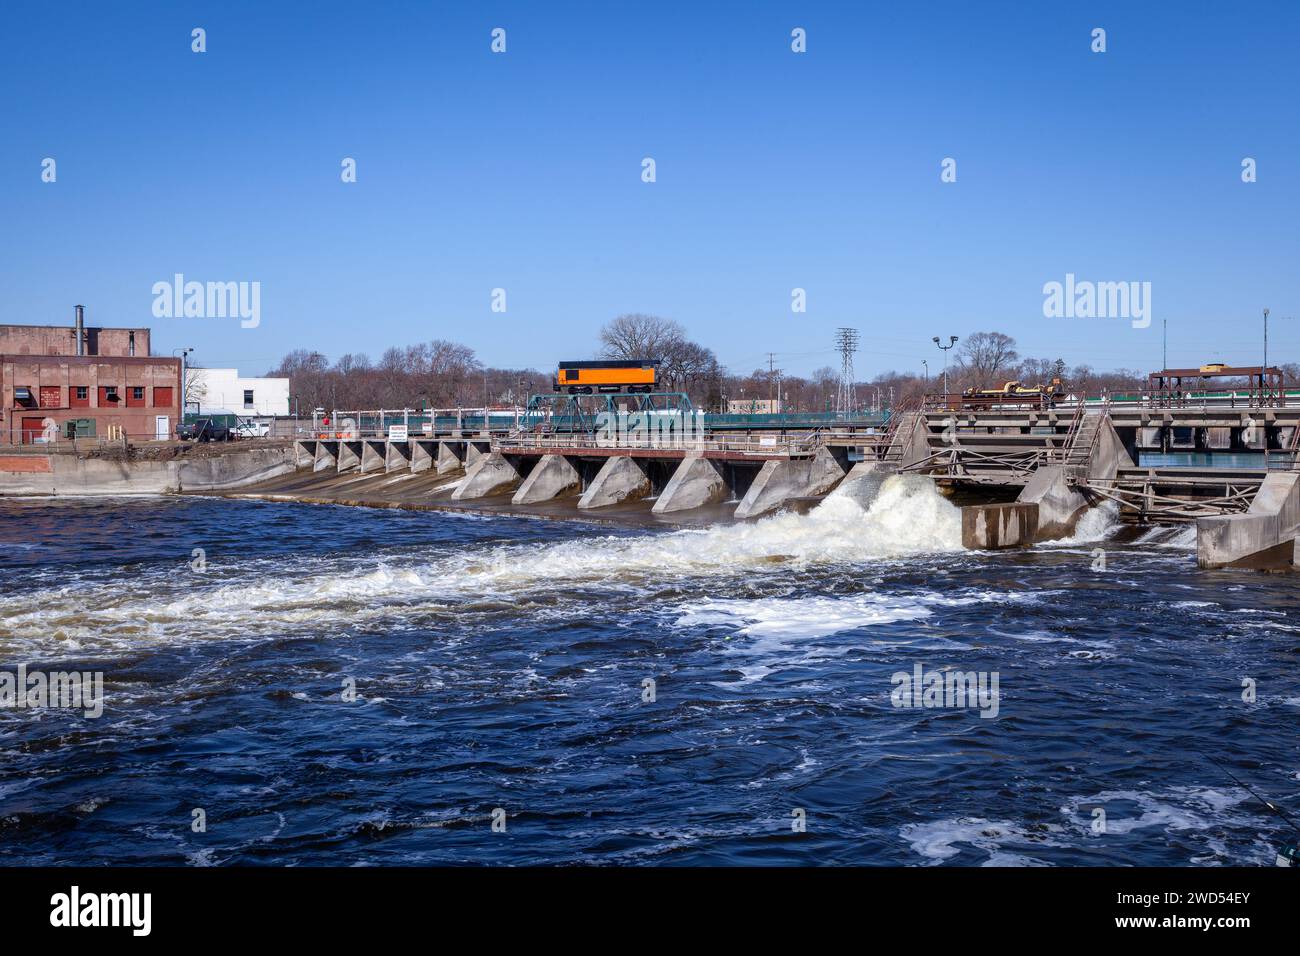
column 1096, row 524
column 268, row 596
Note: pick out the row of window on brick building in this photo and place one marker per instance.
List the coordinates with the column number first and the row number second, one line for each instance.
column 110, row 396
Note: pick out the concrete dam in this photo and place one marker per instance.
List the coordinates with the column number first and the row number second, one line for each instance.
column 1019, row 475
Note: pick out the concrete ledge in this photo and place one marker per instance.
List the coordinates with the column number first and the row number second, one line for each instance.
column 491, row 474
column 987, row 527
column 619, row 479
column 551, row 477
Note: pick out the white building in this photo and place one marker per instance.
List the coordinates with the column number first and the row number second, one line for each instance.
column 224, row 388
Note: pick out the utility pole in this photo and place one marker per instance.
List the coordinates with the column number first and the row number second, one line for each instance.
column 771, row 363
column 1164, row 343
column 952, row 340
column 1266, row 338
column 927, row 370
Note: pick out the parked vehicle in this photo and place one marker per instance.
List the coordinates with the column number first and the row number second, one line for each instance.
column 250, row 428
column 203, row 429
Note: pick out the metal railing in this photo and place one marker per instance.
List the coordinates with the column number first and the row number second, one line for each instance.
column 766, row 449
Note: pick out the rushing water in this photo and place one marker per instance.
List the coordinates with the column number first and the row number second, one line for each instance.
column 501, row 663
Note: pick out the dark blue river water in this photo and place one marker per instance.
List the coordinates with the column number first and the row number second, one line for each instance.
column 501, row 663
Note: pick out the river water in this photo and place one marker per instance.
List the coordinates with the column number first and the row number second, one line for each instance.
column 633, row 696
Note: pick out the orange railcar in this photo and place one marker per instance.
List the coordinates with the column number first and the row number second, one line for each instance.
column 586, row 378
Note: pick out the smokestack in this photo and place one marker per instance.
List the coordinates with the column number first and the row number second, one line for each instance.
column 81, row 330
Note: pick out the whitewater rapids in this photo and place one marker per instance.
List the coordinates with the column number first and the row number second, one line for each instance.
column 261, row 596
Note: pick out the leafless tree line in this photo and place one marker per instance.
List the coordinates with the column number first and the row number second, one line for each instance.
column 442, row 374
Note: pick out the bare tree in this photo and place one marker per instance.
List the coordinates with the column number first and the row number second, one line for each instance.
column 638, row 336
column 986, row 356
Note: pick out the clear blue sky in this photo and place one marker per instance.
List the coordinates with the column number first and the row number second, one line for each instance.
column 775, row 170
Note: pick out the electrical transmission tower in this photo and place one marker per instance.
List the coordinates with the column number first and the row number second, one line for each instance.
column 846, row 340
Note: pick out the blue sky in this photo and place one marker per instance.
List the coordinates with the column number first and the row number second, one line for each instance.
column 775, row 170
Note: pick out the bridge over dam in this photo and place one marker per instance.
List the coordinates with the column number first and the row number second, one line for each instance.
column 1020, row 475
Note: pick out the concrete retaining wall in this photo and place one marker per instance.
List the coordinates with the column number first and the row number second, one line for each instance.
column 71, row 475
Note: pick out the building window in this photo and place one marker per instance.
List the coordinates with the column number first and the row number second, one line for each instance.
column 79, row 396
column 248, row 397
column 130, row 347
column 51, row 396
column 135, row 396
column 107, row 394
column 162, row 396
column 23, row 396
column 83, row 392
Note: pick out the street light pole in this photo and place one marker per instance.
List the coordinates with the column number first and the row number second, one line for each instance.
column 184, row 352
column 1266, row 338
column 952, row 340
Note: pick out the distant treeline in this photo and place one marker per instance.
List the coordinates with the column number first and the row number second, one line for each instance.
column 441, row 374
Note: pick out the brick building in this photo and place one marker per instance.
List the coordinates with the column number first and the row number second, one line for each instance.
column 51, row 375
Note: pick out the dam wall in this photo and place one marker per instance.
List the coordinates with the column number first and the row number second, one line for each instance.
column 71, row 474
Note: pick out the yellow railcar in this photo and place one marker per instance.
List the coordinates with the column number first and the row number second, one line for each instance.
column 586, row 378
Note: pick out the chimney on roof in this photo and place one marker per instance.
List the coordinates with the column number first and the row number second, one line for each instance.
column 81, row 330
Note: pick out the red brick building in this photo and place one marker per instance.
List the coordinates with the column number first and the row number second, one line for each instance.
column 46, row 381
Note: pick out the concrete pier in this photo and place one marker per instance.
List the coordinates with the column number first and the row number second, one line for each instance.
column 696, row 482
column 619, row 479
column 349, row 455
column 491, row 474
column 1010, row 525
column 451, row 457
column 782, row 480
column 552, row 477
column 1263, row 538
column 1059, row 506
column 397, row 457
column 422, row 454
column 863, row 481
column 374, row 455
column 327, row 456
